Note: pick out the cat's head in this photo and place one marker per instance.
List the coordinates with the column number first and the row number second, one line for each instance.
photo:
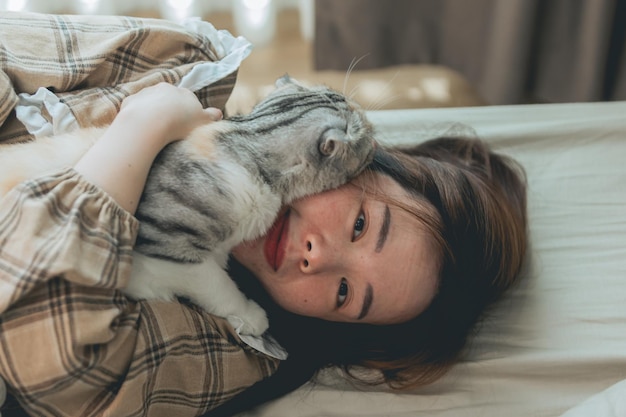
column 319, row 139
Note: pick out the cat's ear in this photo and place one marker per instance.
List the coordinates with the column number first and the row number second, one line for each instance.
column 283, row 81
column 287, row 82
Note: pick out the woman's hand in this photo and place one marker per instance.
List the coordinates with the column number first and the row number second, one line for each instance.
column 168, row 112
column 120, row 160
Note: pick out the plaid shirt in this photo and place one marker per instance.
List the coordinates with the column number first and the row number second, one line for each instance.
column 71, row 344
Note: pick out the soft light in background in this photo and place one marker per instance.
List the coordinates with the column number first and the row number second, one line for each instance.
column 282, row 32
column 257, row 18
column 427, row 53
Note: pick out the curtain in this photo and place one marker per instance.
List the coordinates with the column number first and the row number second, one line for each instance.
column 512, row 51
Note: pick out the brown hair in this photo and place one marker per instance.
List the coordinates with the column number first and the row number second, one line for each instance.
column 479, row 199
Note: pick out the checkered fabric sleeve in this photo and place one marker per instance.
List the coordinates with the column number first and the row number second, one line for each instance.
column 71, row 344
column 91, row 63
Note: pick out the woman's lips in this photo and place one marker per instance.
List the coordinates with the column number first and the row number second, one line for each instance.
column 276, row 241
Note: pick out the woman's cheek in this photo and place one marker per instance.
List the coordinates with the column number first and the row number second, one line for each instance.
column 294, row 302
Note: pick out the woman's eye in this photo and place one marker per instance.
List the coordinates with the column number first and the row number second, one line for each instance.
column 359, row 226
column 342, row 293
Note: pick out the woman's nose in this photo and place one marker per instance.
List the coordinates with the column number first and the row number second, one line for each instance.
column 316, row 255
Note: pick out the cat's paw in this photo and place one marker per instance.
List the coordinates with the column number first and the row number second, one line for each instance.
column 255, row 321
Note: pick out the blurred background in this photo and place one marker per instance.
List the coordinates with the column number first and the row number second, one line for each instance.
column 409, row 53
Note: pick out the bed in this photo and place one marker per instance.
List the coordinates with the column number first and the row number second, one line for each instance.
column 556, row 346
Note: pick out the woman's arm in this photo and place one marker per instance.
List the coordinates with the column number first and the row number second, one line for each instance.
column 71, row 343
column 55, row 241
column 120, row 161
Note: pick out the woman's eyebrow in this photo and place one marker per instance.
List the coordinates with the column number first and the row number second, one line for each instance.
column 367, row 301
column 384, row 230
column 382, row 238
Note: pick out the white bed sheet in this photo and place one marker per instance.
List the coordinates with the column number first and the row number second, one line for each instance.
column 558, row 341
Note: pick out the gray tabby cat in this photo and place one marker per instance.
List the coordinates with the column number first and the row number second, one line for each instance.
column 222, row 185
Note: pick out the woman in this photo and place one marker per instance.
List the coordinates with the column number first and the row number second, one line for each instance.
column 389, row 272
column 463, row 211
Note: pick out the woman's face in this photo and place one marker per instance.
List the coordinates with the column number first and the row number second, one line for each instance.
column 345, row 256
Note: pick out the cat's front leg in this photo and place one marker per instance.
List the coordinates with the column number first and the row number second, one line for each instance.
column 215, row 291
column 205, row 284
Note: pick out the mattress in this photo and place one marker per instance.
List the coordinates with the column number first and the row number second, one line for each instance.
column 556, row 345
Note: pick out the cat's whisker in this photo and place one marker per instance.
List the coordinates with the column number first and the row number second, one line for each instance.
column 353, row 64
column 353, row 91
column 385, row 102
column 381, row 100
column 347, row 76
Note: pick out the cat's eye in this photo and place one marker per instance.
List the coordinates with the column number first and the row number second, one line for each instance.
column 359, row 226
column 342, row 292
